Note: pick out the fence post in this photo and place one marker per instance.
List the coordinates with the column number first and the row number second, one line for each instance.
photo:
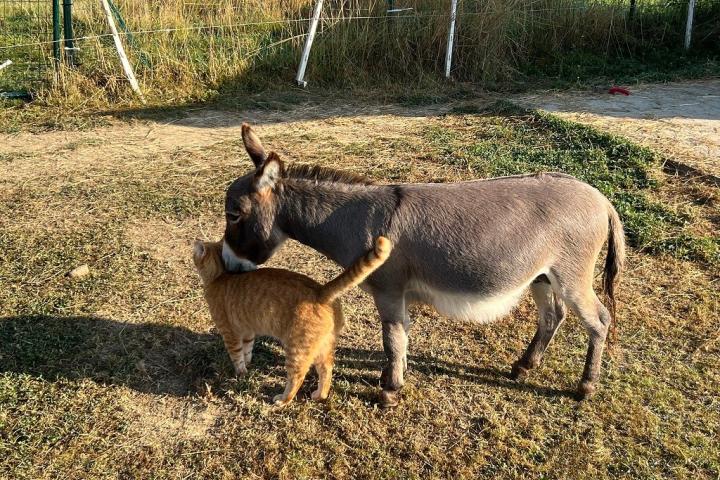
column 308, row 44
column 56, row 31
column 689, row 26
column 451, row 37
column 121, row 52
column 68, row 32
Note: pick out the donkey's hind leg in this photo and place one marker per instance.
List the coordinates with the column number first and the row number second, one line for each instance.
column 596, row 319
column 551, row 313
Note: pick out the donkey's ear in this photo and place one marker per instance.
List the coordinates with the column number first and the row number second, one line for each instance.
column 253, row 145
column 268, row 174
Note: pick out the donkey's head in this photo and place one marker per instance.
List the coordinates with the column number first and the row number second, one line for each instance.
column 251, row 205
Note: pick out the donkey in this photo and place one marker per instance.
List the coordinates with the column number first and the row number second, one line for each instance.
column 470, row 249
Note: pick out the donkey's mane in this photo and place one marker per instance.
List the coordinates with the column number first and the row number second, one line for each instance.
column 318, row 173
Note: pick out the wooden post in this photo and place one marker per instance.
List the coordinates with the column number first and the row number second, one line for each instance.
column 451, row 37
column 689, row 26
column 300, row 78
column 121, row 52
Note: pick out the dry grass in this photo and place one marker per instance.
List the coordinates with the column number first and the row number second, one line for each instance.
column 189, row 51
column 120, row 375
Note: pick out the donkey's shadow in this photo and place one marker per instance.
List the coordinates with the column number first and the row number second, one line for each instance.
column 172, row 360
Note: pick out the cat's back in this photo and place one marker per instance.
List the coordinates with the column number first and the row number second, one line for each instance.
column 273, row 283
column 282, row 278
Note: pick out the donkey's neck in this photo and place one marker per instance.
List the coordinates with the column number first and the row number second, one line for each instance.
column 338, row 220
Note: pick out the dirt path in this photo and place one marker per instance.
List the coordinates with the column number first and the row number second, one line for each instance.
column 681, row 120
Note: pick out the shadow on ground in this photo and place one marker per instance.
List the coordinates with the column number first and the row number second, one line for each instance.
column 171, row 360
column 699, row 100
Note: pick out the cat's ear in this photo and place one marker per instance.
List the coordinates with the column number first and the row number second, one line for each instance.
column 268, row 174
column 253, row 145
column 199, row 249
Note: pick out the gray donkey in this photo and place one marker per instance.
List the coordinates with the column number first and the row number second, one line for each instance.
column 470, row 249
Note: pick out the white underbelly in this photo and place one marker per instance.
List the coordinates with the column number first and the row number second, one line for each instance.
column 477, row 308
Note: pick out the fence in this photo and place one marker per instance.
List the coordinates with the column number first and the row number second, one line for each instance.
column 27, row 24
column 175, row 45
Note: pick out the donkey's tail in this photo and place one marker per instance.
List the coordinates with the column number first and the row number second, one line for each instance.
column 357, row 272
column 613, row 262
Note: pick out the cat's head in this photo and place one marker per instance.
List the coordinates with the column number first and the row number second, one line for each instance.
column 208, row 260
column 207, row 257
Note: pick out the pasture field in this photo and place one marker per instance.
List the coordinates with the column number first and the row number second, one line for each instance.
column 120, row 375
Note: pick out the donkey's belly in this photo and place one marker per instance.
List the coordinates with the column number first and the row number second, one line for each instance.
column 468, row 306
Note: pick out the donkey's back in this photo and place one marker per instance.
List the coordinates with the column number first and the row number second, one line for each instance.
column 488, row 236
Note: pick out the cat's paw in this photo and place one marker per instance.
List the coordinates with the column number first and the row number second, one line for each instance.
column 318, row 396
column 280, row 401
column 240, row 371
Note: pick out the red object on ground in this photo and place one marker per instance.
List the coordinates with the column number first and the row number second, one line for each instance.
column 615, row 90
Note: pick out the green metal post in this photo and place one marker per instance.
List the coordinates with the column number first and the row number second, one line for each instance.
column 56, row 31
column 68, row 30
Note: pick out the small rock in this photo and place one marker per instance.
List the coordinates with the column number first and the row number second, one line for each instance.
column 80, row 272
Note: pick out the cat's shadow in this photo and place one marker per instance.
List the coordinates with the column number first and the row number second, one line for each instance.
column 172, row 360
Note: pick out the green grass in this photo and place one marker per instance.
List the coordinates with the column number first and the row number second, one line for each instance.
column 506, row 140
column 587, row 69
column 118, row 375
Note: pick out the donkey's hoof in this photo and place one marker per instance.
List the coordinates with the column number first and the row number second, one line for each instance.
column 389, row 398
column 519, row 373
column 585, row 390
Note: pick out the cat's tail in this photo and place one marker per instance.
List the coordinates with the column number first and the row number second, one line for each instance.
column 357, row 272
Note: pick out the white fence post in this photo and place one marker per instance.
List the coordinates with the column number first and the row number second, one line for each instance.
column 121, row 52
column 689, row 26
column 451, row 37
column 300, row 78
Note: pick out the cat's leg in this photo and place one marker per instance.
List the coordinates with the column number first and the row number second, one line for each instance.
column 297, row 366
column 234, row 347
column 324, row 367
column 248, row 349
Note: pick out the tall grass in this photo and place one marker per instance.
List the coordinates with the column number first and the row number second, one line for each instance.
column 212, row 48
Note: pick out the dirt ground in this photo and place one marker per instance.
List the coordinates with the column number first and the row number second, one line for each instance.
column 141, row 314
column 681, row 120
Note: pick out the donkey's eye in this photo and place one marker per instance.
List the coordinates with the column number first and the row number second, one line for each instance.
column 232, row 217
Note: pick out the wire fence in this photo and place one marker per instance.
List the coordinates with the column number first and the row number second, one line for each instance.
column 211, row 41
column 26, row 27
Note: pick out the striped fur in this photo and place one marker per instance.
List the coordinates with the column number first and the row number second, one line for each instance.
column 358, row 272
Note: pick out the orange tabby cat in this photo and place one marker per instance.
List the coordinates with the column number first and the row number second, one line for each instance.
column 305, row 316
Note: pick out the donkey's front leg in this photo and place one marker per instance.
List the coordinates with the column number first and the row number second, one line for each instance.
column 393, row 315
